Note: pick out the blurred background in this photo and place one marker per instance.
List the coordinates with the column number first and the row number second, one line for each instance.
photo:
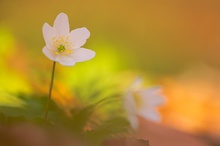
column 172, row 43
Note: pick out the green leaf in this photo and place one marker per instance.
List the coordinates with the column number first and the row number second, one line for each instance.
column 33, row 109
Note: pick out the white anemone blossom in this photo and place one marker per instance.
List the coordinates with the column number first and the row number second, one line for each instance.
column 64, row 46
column 142, row 102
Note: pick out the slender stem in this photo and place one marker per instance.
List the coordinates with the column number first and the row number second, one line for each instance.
column 50, row 92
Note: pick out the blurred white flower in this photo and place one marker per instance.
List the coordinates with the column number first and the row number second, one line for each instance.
column 64, row 46
column 142, row 102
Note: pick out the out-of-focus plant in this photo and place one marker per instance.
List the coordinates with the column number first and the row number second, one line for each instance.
column 142, row 102
column 82, row 121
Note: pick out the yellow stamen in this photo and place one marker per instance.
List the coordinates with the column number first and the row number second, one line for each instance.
column 138, row 100
column 62, row 46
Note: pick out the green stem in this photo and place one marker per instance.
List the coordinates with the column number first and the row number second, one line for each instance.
column 50, row 92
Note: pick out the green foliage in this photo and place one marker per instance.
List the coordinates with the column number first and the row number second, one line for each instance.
column 108, row 129
column 32, row 111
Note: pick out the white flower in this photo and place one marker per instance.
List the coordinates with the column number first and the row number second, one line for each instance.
column 143, row 103
column 64, row 46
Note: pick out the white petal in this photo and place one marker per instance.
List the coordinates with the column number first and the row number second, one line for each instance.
column 136, row 83
column 133, row 119
column 48, row 34
column 129, row 105
column 150, row 114
column 79, row 36
column 152, row 96
column 61, row 25
column 49, row 53
column 65, row 60
column 82, row 54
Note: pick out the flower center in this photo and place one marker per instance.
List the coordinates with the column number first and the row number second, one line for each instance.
column 62, row 45
column 138, row 100
column 61, row 48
